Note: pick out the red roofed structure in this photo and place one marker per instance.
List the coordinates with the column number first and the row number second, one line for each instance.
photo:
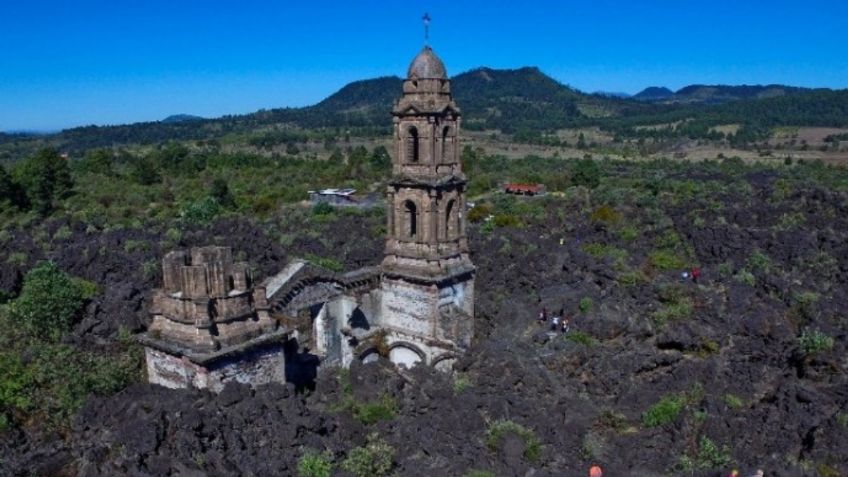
column 524, row 189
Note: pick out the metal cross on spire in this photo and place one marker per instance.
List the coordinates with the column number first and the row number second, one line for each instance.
column 426, row 19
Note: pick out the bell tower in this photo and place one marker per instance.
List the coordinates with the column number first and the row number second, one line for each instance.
column 428, row 277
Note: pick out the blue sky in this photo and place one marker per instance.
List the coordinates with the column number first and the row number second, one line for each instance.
column 73, row 63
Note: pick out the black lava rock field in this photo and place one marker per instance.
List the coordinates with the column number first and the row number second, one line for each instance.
column 658, row 375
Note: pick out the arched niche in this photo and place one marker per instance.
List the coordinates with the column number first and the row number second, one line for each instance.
column 405, row 354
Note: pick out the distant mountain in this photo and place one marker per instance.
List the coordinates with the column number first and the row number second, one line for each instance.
column 716, row 94
column 508, row 100
column 511, row 100
column 654, row 93
column 612, row 94
column 178, row 118
column 520, row 100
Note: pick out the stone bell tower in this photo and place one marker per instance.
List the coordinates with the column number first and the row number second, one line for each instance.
column 428, row 277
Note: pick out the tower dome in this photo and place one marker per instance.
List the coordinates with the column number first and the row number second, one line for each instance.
column 427, row 66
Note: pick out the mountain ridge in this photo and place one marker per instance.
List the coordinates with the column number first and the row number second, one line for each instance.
column 522, row 100
column 718, row 93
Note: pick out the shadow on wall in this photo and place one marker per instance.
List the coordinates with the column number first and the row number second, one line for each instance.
column 359, row 320
column 301, row 366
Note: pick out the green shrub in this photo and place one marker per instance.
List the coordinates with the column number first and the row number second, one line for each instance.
column 789, row 221
column 631, row 278
column 586, row 172
column 369, row 412
column 372, row 412
column 668, row 240
column 507, row 220
column 603, row 250
column 315, row 464
column 173, row 235
column 532, row 444
column 63, row 233
column 676, row 310
column 585, row 304
column 746, row 277
column 733, row 401
column 201, row 211
column 606, row 214
column 220, row 191
column 326, row 262
column 708, row 456
column 15, row 384
column 665, row 259
column 478, row 473
column 375, row 459
column 628, row 234
column 150, row 269
column 131, row 245
column 49, row 302
column 612, row 420
column 322, row 208
column 582, row 338
column 88, row 288
column 17, row 258
column 814, row 341
column 479, row 213
column 725, row 269
column 842, row 419
column 758, row 261
column 56, row 378
column 46, row 178
column 664, row 412
column 461, row 383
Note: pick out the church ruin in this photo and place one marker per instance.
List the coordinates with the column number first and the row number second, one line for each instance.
column 212, row 324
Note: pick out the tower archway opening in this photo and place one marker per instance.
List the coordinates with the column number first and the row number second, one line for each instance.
column 410, row 219
column 412, row 143
column 450, row 220
column 446, row 151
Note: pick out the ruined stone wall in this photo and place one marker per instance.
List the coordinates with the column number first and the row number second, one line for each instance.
column 321, row 292
column 260, row 366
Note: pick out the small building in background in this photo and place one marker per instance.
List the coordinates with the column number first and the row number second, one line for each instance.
column 524, row 189
column 343, row 198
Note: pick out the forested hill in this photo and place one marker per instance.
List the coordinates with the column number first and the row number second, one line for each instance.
column 511, row 100
column 716, row 94
column 520, row 100
column 524, row 98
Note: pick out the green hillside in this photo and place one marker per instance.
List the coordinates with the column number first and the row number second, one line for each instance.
column 522, row 101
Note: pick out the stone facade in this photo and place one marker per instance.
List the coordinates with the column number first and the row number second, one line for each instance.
column 212, row 324
column 428, row 277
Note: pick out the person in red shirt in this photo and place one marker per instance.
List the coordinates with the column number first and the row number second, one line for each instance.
column 696, row 273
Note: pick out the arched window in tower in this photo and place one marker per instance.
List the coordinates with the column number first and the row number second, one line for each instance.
column 412, row 145
column 450, row 220
column 446, row 150
column 411, row 218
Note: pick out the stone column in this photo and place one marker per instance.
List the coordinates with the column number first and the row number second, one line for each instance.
column 433, row 213
column 391, row 210
column 460, row 226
